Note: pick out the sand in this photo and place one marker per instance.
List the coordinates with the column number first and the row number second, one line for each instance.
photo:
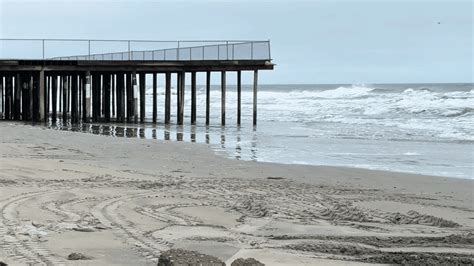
column 124, row 201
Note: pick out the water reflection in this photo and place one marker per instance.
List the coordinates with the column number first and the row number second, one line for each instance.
column 237, row 142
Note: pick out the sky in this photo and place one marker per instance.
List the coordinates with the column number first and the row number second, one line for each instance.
column 312, row 42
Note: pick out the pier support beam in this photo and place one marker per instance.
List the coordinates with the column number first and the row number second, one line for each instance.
column 87, row 97
column 223, row 90
column 25, row 103
column 1, row 96
column 181, row 97
column 255, row 85
column 120, row 98
column 129, row 91
column 106, row 92
column 142, row 97
column 208, row 96
column 155, row 107
column 74, row 99
column 41, row 96
column 239, row 96
column 193, row 97
column 114, row 92
column 8, row 96
column 135, row 96
column 17, row 97
column 64, row 90
column 167, row 97
column 54, row 95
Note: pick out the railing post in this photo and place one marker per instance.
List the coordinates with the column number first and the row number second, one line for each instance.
column 43, row 49
column 269, row 51
column 129, row 52
column 227, row 50
column 251, row 50
column 177, row 52
column 89, row 55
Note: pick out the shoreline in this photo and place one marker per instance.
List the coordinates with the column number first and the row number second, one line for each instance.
column 227, row 154
column 140, row 197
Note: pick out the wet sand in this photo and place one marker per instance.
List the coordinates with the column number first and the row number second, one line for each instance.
column 123, row 201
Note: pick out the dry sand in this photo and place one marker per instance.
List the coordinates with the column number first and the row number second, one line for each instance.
column 124, row 201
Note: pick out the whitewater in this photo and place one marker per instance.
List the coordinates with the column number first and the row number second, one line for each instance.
column 414, row 128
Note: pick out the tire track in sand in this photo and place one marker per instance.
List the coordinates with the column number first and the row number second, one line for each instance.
column 27, row 251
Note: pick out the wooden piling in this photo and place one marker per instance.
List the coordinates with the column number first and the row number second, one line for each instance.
column 155, row 107
column 181, row 89
column 17, row 97
column 255, row 84
column 36, row 95
column 106, row 92
column 64, row 90
column 135, row 96
column 142, row 96
column 87, row 98
column 178, row 98
column 208, row 96
column 129, row 91
column 2, row 111
column 114, row 90
column 239, row 95
column 41, row 96
column 74, row 99
column 223, row 90
column 24, row 97
column 167, row 97
column 54, row 97
column 193, row 97
column 8, row 97
column 120, row 89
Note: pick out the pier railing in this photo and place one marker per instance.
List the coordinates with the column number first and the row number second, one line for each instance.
column 134, row 50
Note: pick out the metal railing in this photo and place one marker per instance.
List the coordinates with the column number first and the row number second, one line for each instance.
column 137, row 50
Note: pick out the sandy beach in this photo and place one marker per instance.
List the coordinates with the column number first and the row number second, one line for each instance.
column 124, row 201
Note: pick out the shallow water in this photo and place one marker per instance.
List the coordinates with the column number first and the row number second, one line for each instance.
column 416, row 128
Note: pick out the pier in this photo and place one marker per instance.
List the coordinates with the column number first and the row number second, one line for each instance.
column 106, row 80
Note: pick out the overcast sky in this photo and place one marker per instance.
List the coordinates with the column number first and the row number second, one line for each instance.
column 312, row 41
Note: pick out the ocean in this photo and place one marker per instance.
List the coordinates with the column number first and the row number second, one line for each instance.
column 414, row 128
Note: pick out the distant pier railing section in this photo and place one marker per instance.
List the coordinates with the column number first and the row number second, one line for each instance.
column 106, row 80
column 145, row 50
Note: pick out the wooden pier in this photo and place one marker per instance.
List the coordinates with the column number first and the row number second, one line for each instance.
column 111, row 87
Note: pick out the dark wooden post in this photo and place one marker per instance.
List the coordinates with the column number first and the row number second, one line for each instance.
column 74, row 99
column 46, row 94
column 106, row 92
column 239, row 95
column 181, row 97
column 114, row 91
column 167, row 97
column 178, row 97
column 193, row 97
column 155, row 107
column 2, row 111
column 68, row 102
column 8, row 96
column 17, row 95
column 36, row 95
column 223, row 89
column 87, row 98
column 208, row 96
column 64, row 89
column 129, row 98
column 24, row 97
column 60, row 93
column 142, row 81
column 135, row 96
column 54, row 95
column 255, row 84
column 41, row 96
column 120, row 97
column 95, row 96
